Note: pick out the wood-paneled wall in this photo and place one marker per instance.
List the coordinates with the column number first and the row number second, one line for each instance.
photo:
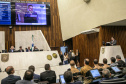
column 118, row 32
column 89, row 44
column 52, row 33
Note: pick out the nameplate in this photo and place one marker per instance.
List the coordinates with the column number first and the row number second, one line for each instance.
column 4, row 57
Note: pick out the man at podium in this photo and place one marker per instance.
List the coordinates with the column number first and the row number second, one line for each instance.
column 113, row 41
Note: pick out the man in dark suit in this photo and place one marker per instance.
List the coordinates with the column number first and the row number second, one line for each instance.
column 69, row 55
column 27, row 78
column 11, row 79
column 113, row 41
column 35, row 48
column 28, row 49
column 68, row 76
column 11, row 49
column 48, row 75
column 35, row 76
column 120, row 62
column 20, row 49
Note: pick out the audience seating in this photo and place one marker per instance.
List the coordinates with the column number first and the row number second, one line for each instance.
column 43, row 82
column 50, row 79
column 116, row 82
column 113, row 80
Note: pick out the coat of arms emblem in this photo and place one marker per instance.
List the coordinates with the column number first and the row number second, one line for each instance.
column 4, row 57
column 103, row 50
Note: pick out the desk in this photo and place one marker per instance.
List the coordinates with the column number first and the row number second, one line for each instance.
column 110, row 51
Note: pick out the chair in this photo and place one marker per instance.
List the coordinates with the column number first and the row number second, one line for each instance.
column 43, row 82
column 116, row 82
column 36, row 80
column 51, row 79
column 4, row 51
column 0, row 70
column 113, row 80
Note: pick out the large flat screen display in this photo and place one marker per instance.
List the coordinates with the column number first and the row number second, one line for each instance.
column 5, row 13
column 17, row 13
column 30, row 14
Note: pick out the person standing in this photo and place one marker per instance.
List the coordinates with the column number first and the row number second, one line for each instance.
column 65, row 58
column 77, row 58
column 61, row 56
column 69, row 55
column 73, row 56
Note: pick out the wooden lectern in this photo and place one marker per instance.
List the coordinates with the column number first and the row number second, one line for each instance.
column 110, row 51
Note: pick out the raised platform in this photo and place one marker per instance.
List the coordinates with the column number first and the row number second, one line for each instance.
column 110, row 51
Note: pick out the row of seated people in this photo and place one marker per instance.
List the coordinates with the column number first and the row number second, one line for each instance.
column 29, row 77
column 12, row 49
column 50, row 75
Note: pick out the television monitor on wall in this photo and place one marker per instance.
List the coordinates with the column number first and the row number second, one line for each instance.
column 32, row 14
column 17, row 13
column 5, row 13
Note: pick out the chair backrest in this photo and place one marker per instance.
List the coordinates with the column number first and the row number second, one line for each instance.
column 113, row 80
column 43, row 82
column 36, row 80
column 116, row 82
column 51, row 79
column 0, row 70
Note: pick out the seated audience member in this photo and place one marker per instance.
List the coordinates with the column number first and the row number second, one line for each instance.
column 28, row 76
column 68, row 76
column 11, row 49
column 48, row 74
column 11, row 79
column 35, row 48
column 120, row 62
column 106, row 74
column 73, row 69
column 35, row 76
column 96, row 66
column 105, row 66
column 28, row 49
column 113, row 63
column 86, row 67
column 20, row 49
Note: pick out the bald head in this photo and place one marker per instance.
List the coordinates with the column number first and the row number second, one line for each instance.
column 86, row 61
column 10, row 70
column 72, row 63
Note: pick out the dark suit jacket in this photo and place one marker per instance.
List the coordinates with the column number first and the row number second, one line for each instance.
column 121, row 63
column 11, row 79
column 25, row 82
column 27, row 50
column 36, row 76
column 11, row 50
column 20, row 50
column 49, row 76
column 114, row 42
column 78, row 82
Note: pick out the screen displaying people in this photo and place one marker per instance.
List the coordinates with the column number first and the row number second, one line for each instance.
column 30, row 14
